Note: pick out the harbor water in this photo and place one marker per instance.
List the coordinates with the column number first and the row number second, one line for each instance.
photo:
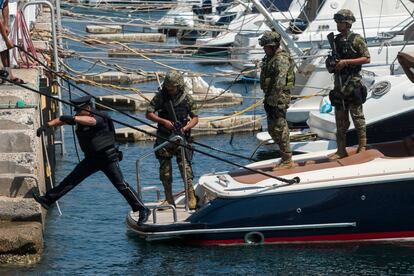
column 91, row 237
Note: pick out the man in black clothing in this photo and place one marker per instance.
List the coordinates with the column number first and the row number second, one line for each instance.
column 96, row 137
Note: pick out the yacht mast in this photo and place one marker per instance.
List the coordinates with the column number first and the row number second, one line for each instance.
column 274, row 24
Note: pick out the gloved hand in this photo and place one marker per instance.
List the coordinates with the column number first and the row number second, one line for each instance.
column 67, row 119
column 41, row 129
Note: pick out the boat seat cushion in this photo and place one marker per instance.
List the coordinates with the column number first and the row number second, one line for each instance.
column 247, row 177
column 359, row 158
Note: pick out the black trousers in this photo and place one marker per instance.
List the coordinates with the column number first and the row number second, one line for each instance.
column 89, row 166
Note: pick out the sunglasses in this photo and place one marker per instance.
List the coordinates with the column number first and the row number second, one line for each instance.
column 340, row 18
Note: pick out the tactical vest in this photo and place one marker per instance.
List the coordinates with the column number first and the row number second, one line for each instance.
column 93, row 139
column 345, row 50
column 267, row 76
column 182, row 110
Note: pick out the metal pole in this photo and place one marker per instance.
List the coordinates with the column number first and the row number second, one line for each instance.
column 145, row 155
column 362, row 20
column 184, row 160
column 58, row 22
column 56, row 60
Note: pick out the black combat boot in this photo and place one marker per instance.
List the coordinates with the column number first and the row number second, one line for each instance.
column 143, row 216
column 42, row 200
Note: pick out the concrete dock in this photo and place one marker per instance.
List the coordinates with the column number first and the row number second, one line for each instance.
column 103, row 29
column 120, row 78
column 134, row 102
column 21, row 172
column 135, row 37
column 213, row 125
column 23, row 169
column 125, row 53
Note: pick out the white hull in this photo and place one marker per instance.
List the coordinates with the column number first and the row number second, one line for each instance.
column 390, row 17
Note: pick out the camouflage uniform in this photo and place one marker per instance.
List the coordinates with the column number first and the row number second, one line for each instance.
column 276, row 80
column 183, row 105
column 348, row 97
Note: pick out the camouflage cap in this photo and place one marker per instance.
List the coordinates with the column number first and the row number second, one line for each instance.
column 344, row 15
column 173, row 78
column 269, row 38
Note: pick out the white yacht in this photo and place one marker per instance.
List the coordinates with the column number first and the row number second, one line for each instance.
column 251, row 23
column 310, row 22
column 388, row 111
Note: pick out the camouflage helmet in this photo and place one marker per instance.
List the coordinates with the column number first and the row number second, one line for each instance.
column 344, row 15
column 174, row 78
column 270, row 38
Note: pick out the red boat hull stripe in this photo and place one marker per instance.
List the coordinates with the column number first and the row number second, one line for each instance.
column 318, row 238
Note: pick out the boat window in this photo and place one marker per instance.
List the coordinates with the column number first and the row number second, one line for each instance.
column 274, row 5
column 226, row 19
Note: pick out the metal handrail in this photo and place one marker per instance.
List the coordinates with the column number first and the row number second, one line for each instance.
column 149, row 153
column 55, row 56
column 155, row 209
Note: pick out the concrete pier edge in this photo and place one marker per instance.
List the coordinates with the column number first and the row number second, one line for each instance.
column 22, row 166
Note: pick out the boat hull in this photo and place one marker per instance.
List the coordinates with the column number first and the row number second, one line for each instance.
column 393, row 128
column 363, row 212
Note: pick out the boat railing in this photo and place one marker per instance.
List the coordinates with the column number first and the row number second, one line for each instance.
column 140, row 189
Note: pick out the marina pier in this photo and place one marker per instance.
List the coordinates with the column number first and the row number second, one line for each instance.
column 26, row 162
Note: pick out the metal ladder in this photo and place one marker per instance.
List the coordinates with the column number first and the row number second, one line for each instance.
column 140, row 189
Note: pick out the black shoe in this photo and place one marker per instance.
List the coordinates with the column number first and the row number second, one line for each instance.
column 143, row 216
column 42, row 200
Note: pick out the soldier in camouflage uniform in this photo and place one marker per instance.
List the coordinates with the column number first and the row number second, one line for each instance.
column 349, row 93
column 173, row 89
column 276, row 79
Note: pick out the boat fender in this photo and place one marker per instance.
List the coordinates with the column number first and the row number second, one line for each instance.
column 254, row 238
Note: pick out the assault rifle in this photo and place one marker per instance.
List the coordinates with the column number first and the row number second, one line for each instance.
column 330, row 64
column 178, row 131
column 177, row 124
column 333, row 57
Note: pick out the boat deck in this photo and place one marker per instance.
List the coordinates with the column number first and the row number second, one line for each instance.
column 164, row 217
column 398, row 149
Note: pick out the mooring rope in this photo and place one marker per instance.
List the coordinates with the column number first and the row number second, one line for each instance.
column 288, row 181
